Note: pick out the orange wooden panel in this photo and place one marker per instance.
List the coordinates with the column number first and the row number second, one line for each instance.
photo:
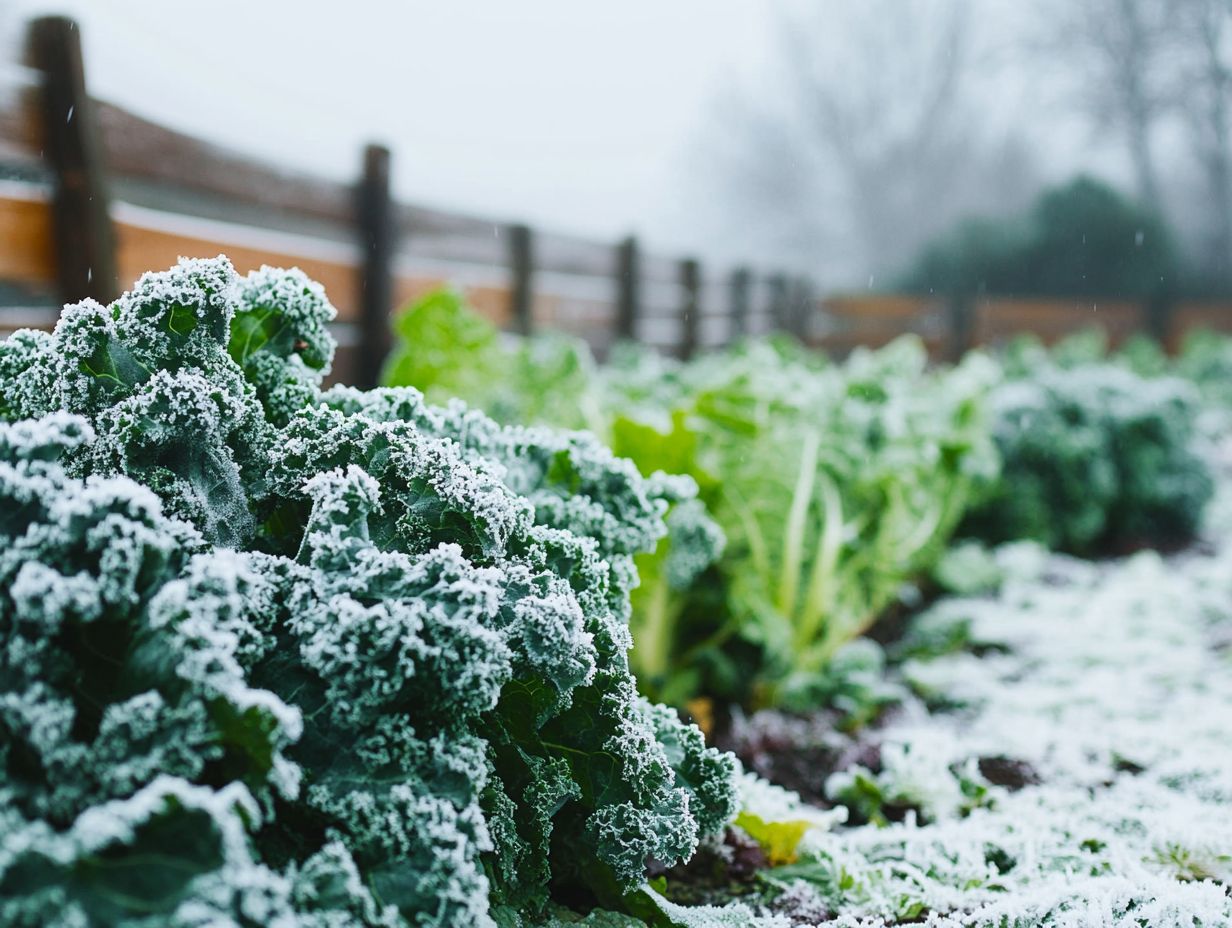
column 1060, row 311
column 547, row 309
column 1194, row 316
column 879, row 306
column 1215, row 316
column 845, row 342
column 142, row 248
column 491, row 302
column 1000, row 319
column 26, row 251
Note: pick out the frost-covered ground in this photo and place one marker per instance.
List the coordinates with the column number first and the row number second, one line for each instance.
column 1109, row 686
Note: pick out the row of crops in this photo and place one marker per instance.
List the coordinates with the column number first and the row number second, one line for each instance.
column 432, row 654
column 822, row 488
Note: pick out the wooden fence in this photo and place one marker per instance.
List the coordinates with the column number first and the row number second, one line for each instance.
column 91, row 196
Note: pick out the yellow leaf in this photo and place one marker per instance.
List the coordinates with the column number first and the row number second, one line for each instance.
column 778, row 839
column 701, row 709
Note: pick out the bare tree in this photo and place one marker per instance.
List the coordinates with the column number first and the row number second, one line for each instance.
column 884, row 107
column 867, row 144
column 1204, row 31
column 1120, row 55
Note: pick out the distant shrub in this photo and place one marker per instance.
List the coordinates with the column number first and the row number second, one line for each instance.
column 1082, row 239
column 1095, row 459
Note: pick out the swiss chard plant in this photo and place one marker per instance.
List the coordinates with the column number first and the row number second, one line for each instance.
column 453, row 352
column 278, row 655
column 838, row 485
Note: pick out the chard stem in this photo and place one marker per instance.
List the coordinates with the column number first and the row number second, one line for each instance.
column 819, row 600
column 793, row 542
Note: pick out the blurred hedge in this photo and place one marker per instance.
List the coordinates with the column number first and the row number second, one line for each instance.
column 1081, row 239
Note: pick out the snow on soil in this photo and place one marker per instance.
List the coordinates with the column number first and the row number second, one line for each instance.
column 1113, row 682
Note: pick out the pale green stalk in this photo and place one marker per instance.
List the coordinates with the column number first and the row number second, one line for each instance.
column 797, row 519
column 652, row 650
column 819, row 600
column 758, row 549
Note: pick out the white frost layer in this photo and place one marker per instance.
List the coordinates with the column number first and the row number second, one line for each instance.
column 1115, row 688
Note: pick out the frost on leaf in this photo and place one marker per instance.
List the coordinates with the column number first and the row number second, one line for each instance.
column 398, row 630
column 280, row 338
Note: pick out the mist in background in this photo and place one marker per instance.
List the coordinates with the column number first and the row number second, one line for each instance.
column 882, row 125
column 842, row 138
column 565, row 114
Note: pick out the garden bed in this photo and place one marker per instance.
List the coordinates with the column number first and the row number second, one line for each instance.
column 307, row 657
column 1077, row 772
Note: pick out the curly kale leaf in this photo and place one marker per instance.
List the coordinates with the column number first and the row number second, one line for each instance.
column 152, row 375
column 279, row 336
column 578, row 762
column 116, row 664
column 123, row 705
column 155, row 854
column 578, row 759
column 1097, row 459
column 573, row 481
column 177, row 855
column 400, row 629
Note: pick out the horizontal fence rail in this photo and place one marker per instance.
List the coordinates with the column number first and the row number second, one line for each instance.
column 91, row 196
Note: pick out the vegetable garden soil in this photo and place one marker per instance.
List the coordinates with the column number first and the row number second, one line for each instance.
column 1070, row 766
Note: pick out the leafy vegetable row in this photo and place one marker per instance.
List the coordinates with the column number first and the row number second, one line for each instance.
column 280, row 655
column 833, row 485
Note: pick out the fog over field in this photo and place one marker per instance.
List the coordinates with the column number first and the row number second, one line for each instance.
column 696, row 123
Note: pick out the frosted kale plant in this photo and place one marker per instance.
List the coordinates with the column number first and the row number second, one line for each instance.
column 272, row 655
column 1095, row 459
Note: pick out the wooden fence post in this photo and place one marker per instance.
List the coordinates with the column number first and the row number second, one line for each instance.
column 628, row 289
column 690, row 306
column 738, row 309
column 522, row 271
column 960, row 313
column 376, row 236
column 780, row 303
column 802, row 305
column 82, row 233
column 1157, row 319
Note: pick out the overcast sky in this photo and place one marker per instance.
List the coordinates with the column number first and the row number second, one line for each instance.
column 572, row 114
column 584, row 116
